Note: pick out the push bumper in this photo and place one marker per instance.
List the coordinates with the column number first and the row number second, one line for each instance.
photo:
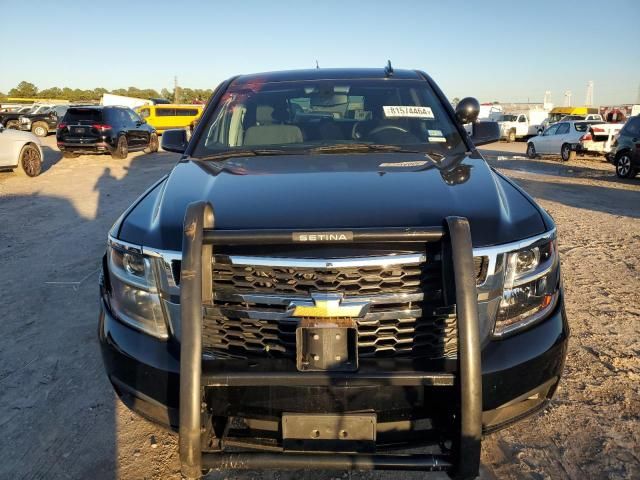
column 518, row 373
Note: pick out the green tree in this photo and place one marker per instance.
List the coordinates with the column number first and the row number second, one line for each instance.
column 53, row 92
column 24, row 89
column 164, row 93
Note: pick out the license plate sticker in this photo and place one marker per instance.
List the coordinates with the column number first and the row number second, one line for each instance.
column 400, row 111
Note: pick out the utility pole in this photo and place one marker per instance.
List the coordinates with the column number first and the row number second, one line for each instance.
column 567, row 98
column 176, row 90
column 589, row 98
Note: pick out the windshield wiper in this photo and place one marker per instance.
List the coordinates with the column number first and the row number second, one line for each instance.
column 361, row 147
column 247, row 153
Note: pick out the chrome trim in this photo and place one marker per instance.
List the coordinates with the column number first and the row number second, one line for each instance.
column 122, row 245
column 284, row 300
column 494, row 251
column 380, row 261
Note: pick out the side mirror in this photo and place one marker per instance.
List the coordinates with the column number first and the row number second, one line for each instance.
column 467, row 110
column 175, row 140
column 485, row 132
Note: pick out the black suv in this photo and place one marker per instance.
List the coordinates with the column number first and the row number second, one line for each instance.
column 626, row 153
column 44, row 122
column 116, row 130
column 332, row 271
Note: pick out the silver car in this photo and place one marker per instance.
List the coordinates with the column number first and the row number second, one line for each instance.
column 20, row 151
column 561, row 138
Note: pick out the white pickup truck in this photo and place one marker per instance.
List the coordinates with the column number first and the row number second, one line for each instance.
column 521, row 125
column 599, row 139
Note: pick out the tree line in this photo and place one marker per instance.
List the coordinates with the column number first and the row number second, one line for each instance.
column 183, row 95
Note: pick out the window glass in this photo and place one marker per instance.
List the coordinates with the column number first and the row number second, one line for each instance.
column 186, row 112
column 582, row 126
column 83, row 115
column 165, row 112
column 562, row 129
column 144, row 112
column 308, row 114
column 131, row 116
column 552, row 130
column 632, row 128
column 522, row 119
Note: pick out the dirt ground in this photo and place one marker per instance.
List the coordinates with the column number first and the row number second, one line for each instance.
column 59, row 418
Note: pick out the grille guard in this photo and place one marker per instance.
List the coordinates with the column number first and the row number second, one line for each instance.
column 199, row 236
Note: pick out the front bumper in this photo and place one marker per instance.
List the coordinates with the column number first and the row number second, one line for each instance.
column 519, row 374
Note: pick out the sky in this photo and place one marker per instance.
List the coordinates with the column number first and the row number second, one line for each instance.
column 507, row 51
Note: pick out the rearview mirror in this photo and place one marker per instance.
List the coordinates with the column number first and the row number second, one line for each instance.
column 485, row 132
column 175, row 140
column 467, row 110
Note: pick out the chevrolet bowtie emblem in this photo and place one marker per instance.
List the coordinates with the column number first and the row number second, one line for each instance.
column 325, row 305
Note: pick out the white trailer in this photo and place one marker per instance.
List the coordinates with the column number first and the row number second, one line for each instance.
column 132, row 102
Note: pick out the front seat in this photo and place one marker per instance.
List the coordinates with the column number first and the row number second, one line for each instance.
column 266, row 132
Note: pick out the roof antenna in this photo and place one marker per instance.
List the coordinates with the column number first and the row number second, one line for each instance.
column 317, row 66
column 388, row 69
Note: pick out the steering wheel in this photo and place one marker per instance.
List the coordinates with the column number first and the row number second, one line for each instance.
column 388, row 127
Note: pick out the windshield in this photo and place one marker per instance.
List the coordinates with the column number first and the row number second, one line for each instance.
column 304, row 115
column 508, row 118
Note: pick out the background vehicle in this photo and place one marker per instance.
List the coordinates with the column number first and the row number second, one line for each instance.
column 318, row 189
column 521, row 125
column 43, row 122
column 599, row 139
column 561, row 138
column 558, row 113
column 12, row 119
column 20, row 151
column 626, row 153
column 164, row 117
column 96, row 129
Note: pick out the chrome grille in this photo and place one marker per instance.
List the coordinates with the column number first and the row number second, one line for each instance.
column 334, row 276
column 250, row 316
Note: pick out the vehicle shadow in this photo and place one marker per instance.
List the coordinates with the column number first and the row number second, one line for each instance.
column 58, row 412
column 51, row 157
column 55, row 403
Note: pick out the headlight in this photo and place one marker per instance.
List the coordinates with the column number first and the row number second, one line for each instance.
column 134, row 295
column 531, row 286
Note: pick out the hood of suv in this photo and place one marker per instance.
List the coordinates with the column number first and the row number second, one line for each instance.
column 333, row 192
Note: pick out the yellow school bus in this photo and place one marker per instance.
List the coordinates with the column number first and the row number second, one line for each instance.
column 558, row 113
column 166, row 116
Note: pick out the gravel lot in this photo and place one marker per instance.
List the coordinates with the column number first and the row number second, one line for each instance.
column 59, row 417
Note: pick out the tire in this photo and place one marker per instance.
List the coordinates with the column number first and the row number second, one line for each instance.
column 153, row 143
column 511, row 137
column 122, row 148
column 30, row 161
column 624, row 167
column 566, row 153
column 531, row 150
column 40, row 129
column 66, row 154
column 12, row 124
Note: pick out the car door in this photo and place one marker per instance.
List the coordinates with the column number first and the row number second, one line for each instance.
column 631, row 132
column 542, row 142
column 138, row 130
column 558, row 138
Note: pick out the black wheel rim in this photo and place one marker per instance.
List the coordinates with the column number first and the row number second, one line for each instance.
column 624, row 166
column 30, row 162
column 565, row 153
